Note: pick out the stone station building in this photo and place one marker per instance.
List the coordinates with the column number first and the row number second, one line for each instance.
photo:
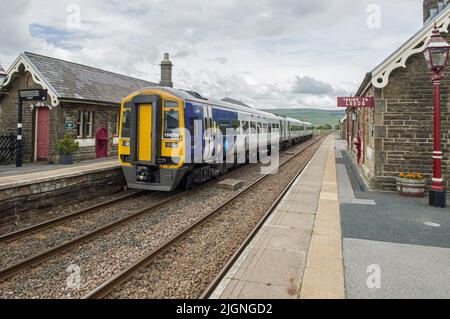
column 82, row 101
column 397, row 134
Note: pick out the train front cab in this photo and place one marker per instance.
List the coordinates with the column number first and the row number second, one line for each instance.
column 151, row 148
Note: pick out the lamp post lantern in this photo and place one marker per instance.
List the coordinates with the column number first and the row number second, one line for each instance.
column 436, row 56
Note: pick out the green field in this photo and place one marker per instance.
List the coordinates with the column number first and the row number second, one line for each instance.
column 316, row 117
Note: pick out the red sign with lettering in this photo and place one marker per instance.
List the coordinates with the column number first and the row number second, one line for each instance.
column 356, row 101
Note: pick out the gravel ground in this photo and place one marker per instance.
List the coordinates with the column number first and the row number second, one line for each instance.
column 54, row 212
column 186, row 269
column 108, row 254
column 30, row 245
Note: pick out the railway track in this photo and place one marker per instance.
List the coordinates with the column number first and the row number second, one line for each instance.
column 9, row 271
column 218, row 279
column 36, row 259
column 56, row 221
column 117, row 280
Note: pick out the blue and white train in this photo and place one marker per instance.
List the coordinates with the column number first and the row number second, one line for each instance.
column 158, row 152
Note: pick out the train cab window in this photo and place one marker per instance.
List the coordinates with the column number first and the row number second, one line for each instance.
column 126, row 123
column 171, row 123
column 171, row 104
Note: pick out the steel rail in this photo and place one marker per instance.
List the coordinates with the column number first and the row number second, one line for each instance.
column 58, row 220
column 224, row 271
column 108, row 286
column 9, row 271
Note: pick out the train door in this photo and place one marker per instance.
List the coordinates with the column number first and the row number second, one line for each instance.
column 145, row 112
column 209, row 134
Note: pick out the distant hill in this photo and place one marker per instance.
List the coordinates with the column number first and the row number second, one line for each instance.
column 316, row 117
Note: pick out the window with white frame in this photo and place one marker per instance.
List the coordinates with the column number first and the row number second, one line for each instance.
column 88, row 118
column 85, row 121
column 79, row 124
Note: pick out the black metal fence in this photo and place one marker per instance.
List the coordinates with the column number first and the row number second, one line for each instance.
column 7, row 149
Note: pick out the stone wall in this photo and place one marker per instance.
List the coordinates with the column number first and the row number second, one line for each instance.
column 104, row 116
column 402, row 123
column 408, row 118
column 20, row 202
column 8, row 115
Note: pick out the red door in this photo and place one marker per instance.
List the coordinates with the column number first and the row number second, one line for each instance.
column 42, row 132
column 101, row 143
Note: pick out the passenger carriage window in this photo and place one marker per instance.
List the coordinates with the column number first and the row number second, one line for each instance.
column 236, row 126
column 192, row 128
column 264, row 128
column 245, row 127
column 223, row 125
column 252, row 127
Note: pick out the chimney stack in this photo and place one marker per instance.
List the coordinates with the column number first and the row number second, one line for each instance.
column 431, row 8
column 166, row 71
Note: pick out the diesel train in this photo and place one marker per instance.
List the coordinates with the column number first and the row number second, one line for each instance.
column 157, row 144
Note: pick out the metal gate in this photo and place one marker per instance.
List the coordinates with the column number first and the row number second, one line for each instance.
column 7, row 149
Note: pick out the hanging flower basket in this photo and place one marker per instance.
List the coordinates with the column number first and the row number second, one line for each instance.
column 411, row 185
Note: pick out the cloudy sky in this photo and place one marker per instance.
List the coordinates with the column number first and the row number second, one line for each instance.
column 268, row 53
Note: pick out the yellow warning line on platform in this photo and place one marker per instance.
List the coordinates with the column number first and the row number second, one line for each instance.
column 324, row 273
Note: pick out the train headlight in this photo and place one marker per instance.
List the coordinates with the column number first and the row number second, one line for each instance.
column 126, row 143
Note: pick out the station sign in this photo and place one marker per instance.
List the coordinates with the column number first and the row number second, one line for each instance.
column 69, row 125
column 33, row 95
column 355, row 101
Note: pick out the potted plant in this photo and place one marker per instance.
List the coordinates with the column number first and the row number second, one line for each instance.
column 411, row 185
column 65, row 148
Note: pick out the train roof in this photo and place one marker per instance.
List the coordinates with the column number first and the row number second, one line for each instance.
column 196, row 97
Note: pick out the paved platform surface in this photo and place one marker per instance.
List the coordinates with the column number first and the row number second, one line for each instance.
column 332, row 238
column 279, row 263
column 394, row 247
column 11, row 176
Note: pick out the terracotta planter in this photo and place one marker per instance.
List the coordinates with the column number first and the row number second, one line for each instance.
column 411, row 187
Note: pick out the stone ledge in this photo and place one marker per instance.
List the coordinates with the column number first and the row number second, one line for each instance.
column 9, row 181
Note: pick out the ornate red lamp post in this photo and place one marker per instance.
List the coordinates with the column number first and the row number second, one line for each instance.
column 436, row 55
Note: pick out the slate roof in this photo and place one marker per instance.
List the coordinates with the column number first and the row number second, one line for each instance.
column 73, row 81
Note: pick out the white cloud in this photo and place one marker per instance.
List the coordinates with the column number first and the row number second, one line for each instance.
column 255, row 50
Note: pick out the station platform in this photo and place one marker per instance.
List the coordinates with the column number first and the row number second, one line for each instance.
column 12, row 176
column 332, row 237
column 393, row 247
column 297, row 253
column 28, row 189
